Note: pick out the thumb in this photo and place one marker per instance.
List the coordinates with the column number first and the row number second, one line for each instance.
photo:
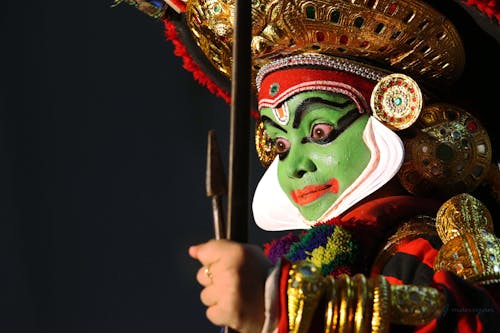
column 193, row 251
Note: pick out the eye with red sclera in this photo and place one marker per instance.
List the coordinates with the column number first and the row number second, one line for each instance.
column 321, row 132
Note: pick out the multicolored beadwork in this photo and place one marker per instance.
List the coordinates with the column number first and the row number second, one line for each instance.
column 327, row 246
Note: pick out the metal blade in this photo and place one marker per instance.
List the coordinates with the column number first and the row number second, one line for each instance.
column 216, row 184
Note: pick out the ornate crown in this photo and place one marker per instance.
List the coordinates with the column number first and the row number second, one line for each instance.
column 407, row 36
column 450, row 153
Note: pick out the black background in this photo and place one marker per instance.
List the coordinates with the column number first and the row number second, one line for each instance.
column 103, row 140
column 102, row 175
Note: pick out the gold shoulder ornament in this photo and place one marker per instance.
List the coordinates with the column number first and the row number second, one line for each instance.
column 470, row 248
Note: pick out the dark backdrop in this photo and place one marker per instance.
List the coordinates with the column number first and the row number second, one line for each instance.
column 103, row 149
column 102, row 163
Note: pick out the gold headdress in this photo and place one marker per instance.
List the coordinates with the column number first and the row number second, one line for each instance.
column 407, row 36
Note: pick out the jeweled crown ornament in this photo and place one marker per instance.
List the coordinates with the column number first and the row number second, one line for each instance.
column 407, row 36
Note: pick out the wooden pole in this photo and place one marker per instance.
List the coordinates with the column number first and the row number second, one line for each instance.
column 237, row 210
column 237, row 206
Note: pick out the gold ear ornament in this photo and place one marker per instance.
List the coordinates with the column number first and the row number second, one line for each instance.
column 396, row 101
column 264, row 145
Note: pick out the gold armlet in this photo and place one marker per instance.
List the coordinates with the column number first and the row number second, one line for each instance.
column 306, row 287
column 381, row 312
column 356, row 304
column 470, row 248
column 415, row 305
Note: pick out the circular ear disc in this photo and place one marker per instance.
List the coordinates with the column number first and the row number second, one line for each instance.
column 396, row 101
column 266, row 150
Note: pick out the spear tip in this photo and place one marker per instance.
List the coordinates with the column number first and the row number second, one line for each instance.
column 215, row 177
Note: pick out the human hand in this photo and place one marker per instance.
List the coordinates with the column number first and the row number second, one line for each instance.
column 233, row 276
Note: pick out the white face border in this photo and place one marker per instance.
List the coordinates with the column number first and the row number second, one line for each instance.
column 273, row 211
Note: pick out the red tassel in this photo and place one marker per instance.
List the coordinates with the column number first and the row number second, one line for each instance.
column 489, row 7
column 189, row 64
column 283, row 299
column 178, row 5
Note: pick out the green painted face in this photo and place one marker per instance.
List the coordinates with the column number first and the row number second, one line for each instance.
column 321, row 148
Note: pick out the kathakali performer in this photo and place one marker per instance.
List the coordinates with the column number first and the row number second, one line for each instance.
column 372, row 120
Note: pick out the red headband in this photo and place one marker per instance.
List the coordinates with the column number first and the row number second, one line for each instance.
column 282, row 84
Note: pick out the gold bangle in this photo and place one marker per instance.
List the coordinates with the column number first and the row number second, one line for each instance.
column 361, row 304
column 381, row 304
column 332, row 307
column 345, row 299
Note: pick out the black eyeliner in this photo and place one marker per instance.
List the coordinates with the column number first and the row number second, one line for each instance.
column 315, row 100
column 270, row 122
column 344, row 122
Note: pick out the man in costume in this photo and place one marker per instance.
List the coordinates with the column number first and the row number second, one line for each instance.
column 381, row 178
